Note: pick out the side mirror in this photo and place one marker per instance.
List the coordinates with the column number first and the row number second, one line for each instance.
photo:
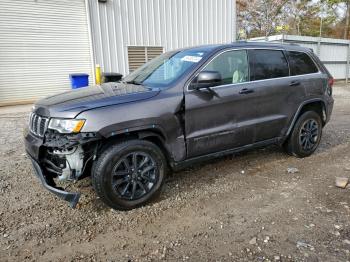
column 206, row 79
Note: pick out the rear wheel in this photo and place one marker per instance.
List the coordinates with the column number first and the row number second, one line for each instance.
column 129, row 174
column 305, row 136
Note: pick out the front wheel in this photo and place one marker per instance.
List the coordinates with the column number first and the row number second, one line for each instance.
column 305, row 136
column 129, row 174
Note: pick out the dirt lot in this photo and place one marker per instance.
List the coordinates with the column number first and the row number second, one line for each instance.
column 245, row 207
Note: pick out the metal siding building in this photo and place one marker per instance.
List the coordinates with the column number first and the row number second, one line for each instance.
column 41, row 43
column 334, row 53
column 168, row 24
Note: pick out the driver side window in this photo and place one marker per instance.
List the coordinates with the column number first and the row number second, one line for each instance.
column 232, row 65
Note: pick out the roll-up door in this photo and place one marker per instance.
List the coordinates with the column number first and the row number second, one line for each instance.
column 41, row 43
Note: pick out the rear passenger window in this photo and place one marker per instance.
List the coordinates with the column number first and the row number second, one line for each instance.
column 301, row 64
column 266, row 64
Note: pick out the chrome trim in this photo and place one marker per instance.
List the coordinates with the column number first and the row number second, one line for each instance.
column 31, row 120
column 254, row 81
column 38, row 124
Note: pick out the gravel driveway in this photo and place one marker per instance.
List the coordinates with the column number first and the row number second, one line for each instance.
column 243, row 207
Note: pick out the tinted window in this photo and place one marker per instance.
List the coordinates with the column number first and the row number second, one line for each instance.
column 232, row 65
column 301, row 64
column 265, row 64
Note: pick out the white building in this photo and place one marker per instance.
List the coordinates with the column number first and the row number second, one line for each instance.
column 43, row 41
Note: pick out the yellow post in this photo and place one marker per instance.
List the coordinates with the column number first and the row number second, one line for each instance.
column 98, row 74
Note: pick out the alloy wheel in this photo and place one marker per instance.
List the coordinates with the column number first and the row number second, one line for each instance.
column 134, row 175
column 308, row 135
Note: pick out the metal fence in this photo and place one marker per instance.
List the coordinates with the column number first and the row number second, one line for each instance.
column 334, row 53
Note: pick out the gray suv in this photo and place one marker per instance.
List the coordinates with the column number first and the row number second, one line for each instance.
column 182, row 107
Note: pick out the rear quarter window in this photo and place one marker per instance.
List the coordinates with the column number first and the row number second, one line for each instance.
column 267, row 64
column 300, row 63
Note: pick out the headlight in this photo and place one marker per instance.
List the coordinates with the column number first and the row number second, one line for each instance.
column 66, row 126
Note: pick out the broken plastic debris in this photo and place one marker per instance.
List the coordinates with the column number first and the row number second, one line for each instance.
column 341, row 182
column 292, row 170
column 252, row 241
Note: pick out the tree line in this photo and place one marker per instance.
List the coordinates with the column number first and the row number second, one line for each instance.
column 326, row 18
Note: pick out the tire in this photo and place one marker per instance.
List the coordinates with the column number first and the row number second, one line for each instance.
column 305, row 136
column 129, row 174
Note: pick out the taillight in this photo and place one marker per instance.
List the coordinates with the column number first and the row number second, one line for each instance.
column 330, row 85
column 330, row 82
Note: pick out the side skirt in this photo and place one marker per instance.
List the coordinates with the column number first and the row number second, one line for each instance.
column 176, row 166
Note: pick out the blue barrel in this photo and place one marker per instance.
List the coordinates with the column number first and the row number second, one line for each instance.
column 79, row 80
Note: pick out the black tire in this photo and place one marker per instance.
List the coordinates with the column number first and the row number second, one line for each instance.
column 122, row 186
column 303, row 141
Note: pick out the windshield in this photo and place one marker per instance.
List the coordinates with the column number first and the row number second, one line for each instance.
column 165, row 69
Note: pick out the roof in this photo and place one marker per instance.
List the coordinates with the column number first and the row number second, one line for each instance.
column 248, row 44
column 300, row 39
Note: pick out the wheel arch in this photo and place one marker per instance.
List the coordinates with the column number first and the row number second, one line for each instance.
column 317, row 105
column 154, row 135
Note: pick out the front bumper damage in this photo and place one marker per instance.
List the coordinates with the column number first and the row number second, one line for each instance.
column 49, row 184
column 61, row 157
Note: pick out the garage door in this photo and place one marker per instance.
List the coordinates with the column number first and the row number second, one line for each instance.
column 41, row 43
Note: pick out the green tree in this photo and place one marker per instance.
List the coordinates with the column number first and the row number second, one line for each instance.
column 299, row 17
column 345, row 7
column 260, row 17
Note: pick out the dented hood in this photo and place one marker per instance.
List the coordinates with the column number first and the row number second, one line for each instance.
column 70, row 104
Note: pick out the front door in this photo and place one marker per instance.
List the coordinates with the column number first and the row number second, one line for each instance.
column 219, row 118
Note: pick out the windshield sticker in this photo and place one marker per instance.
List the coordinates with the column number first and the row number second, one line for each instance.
column 190, row 58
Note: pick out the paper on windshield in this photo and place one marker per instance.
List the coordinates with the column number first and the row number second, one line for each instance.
column 190, row 58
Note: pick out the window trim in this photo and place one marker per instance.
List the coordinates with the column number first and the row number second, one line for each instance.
column 285, row 58
column 254, row 81
column 311, row 58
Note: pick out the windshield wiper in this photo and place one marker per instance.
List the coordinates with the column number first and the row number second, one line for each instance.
column 133, row 82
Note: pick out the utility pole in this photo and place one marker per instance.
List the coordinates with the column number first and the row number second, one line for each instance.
column 320, row 36
column 347, row 20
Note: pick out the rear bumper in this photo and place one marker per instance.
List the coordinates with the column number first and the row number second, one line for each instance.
column 50, row 185
column 329, row 110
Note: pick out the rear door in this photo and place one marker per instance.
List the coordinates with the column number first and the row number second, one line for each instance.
column 220, row 118
column 277, row 92
column 304, row 71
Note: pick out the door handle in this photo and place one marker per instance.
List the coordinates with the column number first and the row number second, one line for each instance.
column 246, row 91
column 294, row 83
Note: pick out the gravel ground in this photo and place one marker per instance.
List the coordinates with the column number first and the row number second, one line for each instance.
column 243, row 207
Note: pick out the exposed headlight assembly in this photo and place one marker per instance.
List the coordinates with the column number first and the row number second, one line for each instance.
column 66, row 126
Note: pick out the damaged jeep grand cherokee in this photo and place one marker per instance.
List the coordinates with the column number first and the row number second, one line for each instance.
column 182, row 107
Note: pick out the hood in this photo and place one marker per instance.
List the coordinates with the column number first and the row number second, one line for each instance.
column 70, row 104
